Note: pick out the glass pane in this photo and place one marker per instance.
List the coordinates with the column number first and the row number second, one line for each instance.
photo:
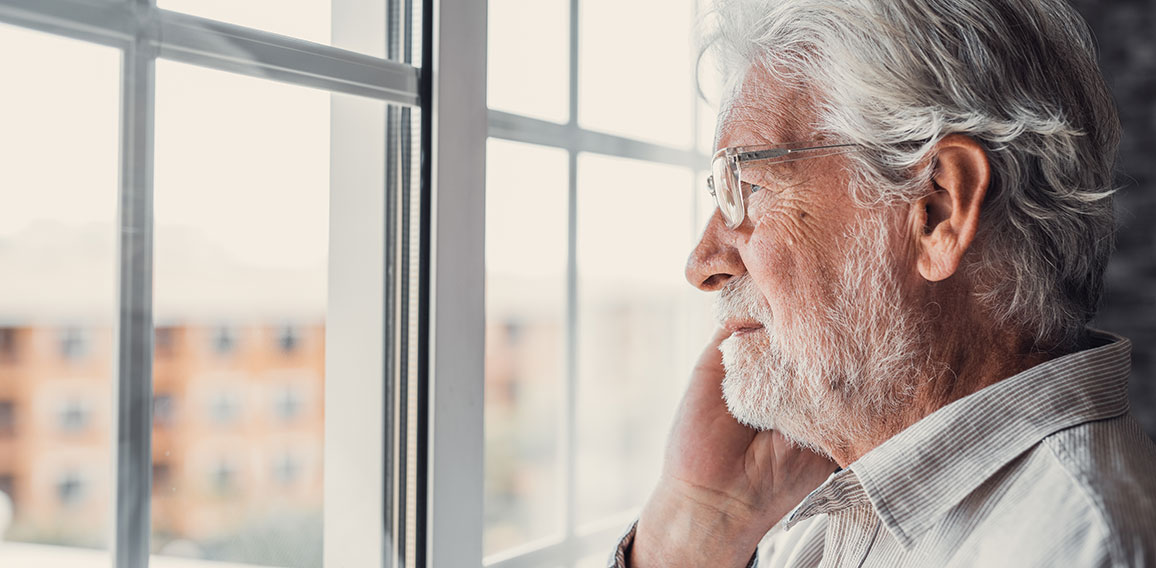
column 704, row 204
column 242, row 221
column 302, row 19
column 598, row 560
column 640, row 324
column 709, row 82
column 529, row 58
column 526, row 236
column 58, row 245
column 635, row 69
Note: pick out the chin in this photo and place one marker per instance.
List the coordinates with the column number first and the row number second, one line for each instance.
column 765, row 390
column 757, row 381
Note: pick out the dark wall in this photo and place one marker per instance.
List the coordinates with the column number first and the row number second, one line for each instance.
column 1126, row 33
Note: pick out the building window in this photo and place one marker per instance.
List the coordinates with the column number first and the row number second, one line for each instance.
column 163, row 410
column 7, row 342
column 286, row 469
column 224, row 340
column 73, row 343
column 74, row 415
column 223, row 477
column 8, row 485
column 288, row 339
column 287, row 403
column 71, row 488
column 7, row 418
column 162, row 477
column 224, row 408
column 163, row 338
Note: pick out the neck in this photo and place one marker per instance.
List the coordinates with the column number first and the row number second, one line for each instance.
column 978, row 358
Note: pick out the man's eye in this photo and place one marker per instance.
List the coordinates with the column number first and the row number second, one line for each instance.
column 753, row 184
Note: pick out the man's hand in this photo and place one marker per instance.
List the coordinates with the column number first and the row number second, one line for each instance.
column 723, row 485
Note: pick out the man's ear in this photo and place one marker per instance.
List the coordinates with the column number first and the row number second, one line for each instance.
column 945, row 222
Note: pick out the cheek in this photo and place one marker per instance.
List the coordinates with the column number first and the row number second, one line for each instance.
column 790, row 272
column 797, row 247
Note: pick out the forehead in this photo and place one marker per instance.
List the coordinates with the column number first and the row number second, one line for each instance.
column 762, row 109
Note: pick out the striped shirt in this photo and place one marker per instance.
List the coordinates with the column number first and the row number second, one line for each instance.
column 1045, row 468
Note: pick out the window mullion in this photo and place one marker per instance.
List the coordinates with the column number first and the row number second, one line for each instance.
column 98, row 21
column 133, row 386
column 569, row 426
column 229, row 47
column 456, row 68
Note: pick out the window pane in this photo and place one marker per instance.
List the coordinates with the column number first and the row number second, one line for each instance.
column 526, row 232
column 705, row 205
column 707, row 122
column 529, row 62
column 58, row 245
column 709, row 83
column 597, row 560
column 242, row 219
column 635, row 69
column 640, row 324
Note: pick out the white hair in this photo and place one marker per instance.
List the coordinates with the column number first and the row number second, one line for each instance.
column 1018, row 76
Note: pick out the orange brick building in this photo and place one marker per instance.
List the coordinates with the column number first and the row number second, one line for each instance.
column 237, row 436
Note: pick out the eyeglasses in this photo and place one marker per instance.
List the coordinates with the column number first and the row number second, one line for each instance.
column 725, row 182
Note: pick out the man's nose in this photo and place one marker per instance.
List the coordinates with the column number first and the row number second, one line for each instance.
column 715, row 259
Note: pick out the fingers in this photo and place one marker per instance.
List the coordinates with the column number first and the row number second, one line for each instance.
column 710, row 362
column 704, row 394
column 720, row 334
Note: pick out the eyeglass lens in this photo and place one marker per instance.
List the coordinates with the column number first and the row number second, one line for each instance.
column 726, row 194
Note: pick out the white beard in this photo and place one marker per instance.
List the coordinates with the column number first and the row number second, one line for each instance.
column 837, row 369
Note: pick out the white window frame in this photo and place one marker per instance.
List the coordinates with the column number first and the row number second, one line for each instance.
column 449, row 88
column 457, row 83
column 576, row 543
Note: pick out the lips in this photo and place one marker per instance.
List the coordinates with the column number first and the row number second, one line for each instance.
column 742, row 327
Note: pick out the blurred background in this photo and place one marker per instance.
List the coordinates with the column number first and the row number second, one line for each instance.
column 1123, row 29
column 594, row 197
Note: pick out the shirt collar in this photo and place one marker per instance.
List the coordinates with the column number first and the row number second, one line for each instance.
column 921, row 473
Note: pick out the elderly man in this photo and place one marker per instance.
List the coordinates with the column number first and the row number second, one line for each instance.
column 914, row 216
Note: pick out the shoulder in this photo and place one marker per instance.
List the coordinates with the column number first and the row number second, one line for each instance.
column 1107, row 468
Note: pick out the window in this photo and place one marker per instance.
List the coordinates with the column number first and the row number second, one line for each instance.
column 247, row 164
column 223, row 478
column 71, row 488
column 163, row 410
column 7, row 486
column 73, row 343
column 193, row 163
column 287, row 403
column 286, row 469
column 162, row 477
column 7, row 343
column 57, row 296
column 7, row 418
column 163, row 340
column 73, row 415
column 223, row 340
column 224, row 408
column 288, row 339
column 589, row 321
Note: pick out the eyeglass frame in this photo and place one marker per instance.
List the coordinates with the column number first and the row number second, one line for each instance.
column 735, row 156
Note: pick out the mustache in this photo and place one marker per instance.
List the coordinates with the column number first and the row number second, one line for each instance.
column 741, row 299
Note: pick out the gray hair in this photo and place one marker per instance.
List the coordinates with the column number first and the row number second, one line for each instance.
column 1018, row 76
